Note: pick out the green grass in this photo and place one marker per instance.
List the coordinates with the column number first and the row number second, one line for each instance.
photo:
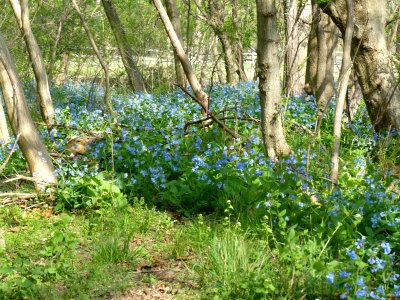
column 109, row 252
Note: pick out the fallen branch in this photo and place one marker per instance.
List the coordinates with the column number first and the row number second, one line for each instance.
column 202, row 120
column 9, row 154
column 213, row 117
column 22, row 177
column 18, row 195
column 301, row 127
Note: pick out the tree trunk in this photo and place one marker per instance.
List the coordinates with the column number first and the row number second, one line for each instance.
column 104, row 66
column 229, row 58
column 291, row 84
column 135, row 78
column 371, row 59
column 62, row 73
column 269, row 84
column 312, row 52
column 327, row 38
column 172, row 11
column 54, row 48
column 32, row 147
column 21, row 12
column 201, row 96
column 216, row 58
column 344, row 80
column 4, row 134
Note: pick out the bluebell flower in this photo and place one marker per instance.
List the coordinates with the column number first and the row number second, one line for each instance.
column 344, row 274
column 360, row 281
column 352, row 254
column 361, row 293
column 330, row 277
column 386, row 247
column 360, row 243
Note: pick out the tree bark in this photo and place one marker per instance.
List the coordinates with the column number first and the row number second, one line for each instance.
column 327, row 37
column 312, row 52
column 21, row 13
column 216, row 58
column 172, row 11
column 135, row 77
column 344, row 81
column 291, row 85
column 229, row 58
column 4, row 134
column 371, row 59
column 104, row 66
column 187, row 67
column 269, row 82
column 32, row 147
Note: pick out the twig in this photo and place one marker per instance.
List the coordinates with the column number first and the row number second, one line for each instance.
column 18, row 195
column 301, row 126
column 22, row 177
column 35, row 205
column 218, row 121
column 9, row 154
column 188, row 124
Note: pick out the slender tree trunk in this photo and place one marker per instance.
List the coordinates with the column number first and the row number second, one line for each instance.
column 173, row 14
column 312, row 52
column 327, row 37
column 371, row 59
column 62, row 73
column 216, row 58
column 135, row 77
column 187, row 67
column 237, row 42
column 21, row 12
column 32, row 147
column 229, row 58
column 53, row 54
column 344, row 80
column 269, row 84
column 291, row 84
column 104, row 66
column 4, row 134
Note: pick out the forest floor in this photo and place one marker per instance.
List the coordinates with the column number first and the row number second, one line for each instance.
column 105, row 255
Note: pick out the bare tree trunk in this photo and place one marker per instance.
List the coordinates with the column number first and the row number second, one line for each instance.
column 230, row 66
column 327, row 37
column 291, row 84
column 372, row 62
column 21, row 12
column 312, row 52
column 268, row 72
column 216, row 58
column 62, row 74
column 4, row 134
column 50, row 67
column 344, row 80
column 173, row 14
column 135, row 77
column 237, row 42
column 187, row 67
column 104, row 66
column 32, row 147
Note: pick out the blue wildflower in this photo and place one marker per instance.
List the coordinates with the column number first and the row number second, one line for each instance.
column 386, row 247
column 352, row 254
column 330, row 277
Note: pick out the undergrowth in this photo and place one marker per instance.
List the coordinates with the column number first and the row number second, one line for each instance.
column 214, row 212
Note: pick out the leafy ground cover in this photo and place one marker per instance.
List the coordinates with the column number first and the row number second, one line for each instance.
column 229, row 223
